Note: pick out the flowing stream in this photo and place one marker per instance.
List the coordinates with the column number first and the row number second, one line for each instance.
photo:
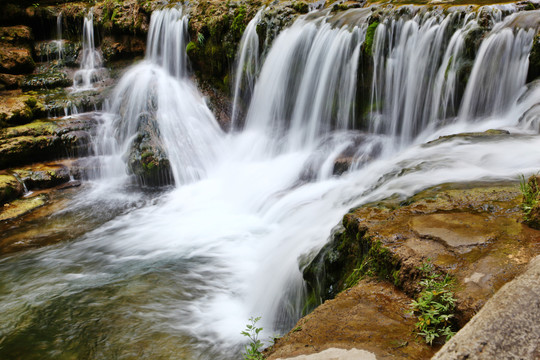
column 177, row 274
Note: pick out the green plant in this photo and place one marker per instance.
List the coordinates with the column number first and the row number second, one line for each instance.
column 253, row 349
column 434, row 306
column 531, row 193
column 200, row 38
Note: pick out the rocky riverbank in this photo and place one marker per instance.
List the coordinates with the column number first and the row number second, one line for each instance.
column 470, row 237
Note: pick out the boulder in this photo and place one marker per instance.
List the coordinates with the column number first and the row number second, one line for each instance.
column 10, row 188
column 468, row 231
column 507, row 327
column 16, row 35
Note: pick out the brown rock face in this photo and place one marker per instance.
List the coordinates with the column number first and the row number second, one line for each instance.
column 15, row 54
column 16, row 60
column 371, row 316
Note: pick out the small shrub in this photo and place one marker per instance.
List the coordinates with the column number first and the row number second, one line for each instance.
column 253, row 349
column 434, row 306
column 531, row 194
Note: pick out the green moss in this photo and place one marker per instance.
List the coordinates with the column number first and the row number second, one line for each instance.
column 370, row 34
column 239, row 23
column 31, row 101
column 301, row 7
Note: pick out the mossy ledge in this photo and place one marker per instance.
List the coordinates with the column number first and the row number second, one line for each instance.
column 470, row 232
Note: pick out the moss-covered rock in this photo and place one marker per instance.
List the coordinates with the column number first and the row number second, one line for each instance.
column 148, row 160
column 43, row 176
column 45, row 140
column 49, row 80
column 470, row 231
column 21, row 207
column 16, row 60
column 10, row 188
column 19, row 109
column 59, row 53
column 16, row 35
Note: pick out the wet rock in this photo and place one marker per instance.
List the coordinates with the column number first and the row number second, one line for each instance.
column 43, row 176
column 488, row 135
column 21, row 207
column 50, row 80
column 10, row 188
column 507, row 327
column 342, row 165
column 148, row 160
column 371, row 316
column 19, row 109
column 534, row 60
column 64, row 52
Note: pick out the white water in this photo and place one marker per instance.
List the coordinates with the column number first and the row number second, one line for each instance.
column 179, row 274
column 59, row 40
column 91, row 70
column 247, row 68
column 158, row 91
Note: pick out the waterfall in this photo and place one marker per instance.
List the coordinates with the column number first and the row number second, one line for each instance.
column 499, row 72
column 59, row 41
column 247, row 67
column 181, row 271
column 307, row 86
column 420, row 64
column 156, row 96
column 90, row 58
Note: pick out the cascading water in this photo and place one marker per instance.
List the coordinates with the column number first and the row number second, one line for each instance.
column 91, row 70
column 59, row 40
column 156, row 96
column 178, row 275
column 247, row 67
column 307, row 85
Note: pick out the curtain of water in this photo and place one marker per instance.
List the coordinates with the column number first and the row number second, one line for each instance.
column 306, row 87
column 90, row 58
column 247, row 68
column 156, row 96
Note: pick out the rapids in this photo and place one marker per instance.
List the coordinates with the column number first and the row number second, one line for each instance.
column 178, row 273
